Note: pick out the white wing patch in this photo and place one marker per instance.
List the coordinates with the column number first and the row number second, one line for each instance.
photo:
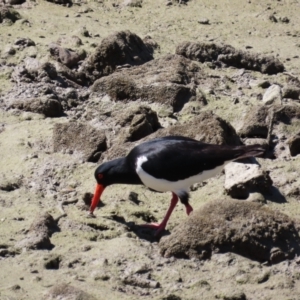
column 163, row 185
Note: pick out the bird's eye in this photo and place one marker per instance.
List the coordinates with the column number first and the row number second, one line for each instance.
column 100, row 176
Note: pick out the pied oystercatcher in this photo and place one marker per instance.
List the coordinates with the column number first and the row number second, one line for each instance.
column 171, row 163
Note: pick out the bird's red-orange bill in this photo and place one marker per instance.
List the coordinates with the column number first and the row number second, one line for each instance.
column 98, row 191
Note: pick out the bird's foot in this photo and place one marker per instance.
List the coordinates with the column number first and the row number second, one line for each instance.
column 91, row 215
column 159, row 227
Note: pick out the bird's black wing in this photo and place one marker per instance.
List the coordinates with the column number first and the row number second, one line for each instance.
column 179, row 158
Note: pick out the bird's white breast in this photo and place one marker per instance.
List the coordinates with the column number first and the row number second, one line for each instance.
column 163, row 185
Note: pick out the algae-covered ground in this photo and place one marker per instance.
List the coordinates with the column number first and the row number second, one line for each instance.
column 104, row 257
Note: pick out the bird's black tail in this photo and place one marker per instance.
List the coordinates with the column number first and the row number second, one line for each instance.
column 250, row 151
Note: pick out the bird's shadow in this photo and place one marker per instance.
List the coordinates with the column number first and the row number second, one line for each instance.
column 142, row 232
column 275, row 195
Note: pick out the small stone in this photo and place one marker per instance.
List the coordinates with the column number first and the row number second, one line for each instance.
column 273, row 95
column 284, row 20
column 235, row 296
column 294, row 145
column 10, row 50
column 273, row 19
column 204, row 21
column 263, row 277
column 244, row 178
column 86, row 248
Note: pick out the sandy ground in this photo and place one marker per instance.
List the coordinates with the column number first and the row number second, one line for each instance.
column 97, row 255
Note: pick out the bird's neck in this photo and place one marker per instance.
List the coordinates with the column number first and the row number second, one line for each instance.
column 125, row 173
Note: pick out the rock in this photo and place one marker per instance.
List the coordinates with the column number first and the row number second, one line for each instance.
column 117, row 151
column 64, row 291
column 165, row 80
column 284, row 20
column 257, row 120
column 150, row 44
column 211, row 52
column 235, row 296
column 140, row 282
column 133, row 3
column 286, row 113
column 273, row 19
column 264, row 84
column 255, row 123
column 52, row 262
column 9, row 50
column 83, row 138
column 245, row 228
column 137, row 123
column 171, row 297
column 34, row 70
column 241, row 179
column 64, row 72
column 291, row 92
column 206, row 127
column 204, row 21
column 61, row 2
column 8, row 15
column 38, row 236
column 44, row 105
column 294, row 144
column 9, row 184
column 118, row 49
column 273, row 95
column 24, row 42
column 73, row 41
column 253, row 141
column 68, row 57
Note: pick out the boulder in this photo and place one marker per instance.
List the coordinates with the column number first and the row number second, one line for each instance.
column 206, row 127
column 245, row 228
column 137, row 123
column 257, row 120
column 78, row 137
column 44, row 105
column 150, row 44
column 8, row 15
column 241, row 179
column 294, row 144
column 64, row 291
column 291, row 92
column 120, row 48
column 22, row 43
column 273, row 95
column 166, row 80
column 68, row 57
column 133, row 3
column 39, row 233
column 61, row 2
column 230, row 56
column 9, row 183
column 34, row 70
column 73, row 41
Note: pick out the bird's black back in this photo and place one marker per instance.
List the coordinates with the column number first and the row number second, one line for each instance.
column 176, row 158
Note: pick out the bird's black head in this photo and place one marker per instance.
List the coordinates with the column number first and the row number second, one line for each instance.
column 106, row 174
column 109, row 172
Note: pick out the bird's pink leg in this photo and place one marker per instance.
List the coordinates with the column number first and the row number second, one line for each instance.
column 160, row 227
column 189, row 209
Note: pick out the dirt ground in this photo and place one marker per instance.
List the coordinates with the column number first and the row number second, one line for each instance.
column 105, row 257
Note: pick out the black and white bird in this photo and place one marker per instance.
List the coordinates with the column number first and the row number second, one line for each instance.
column 171, row 163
